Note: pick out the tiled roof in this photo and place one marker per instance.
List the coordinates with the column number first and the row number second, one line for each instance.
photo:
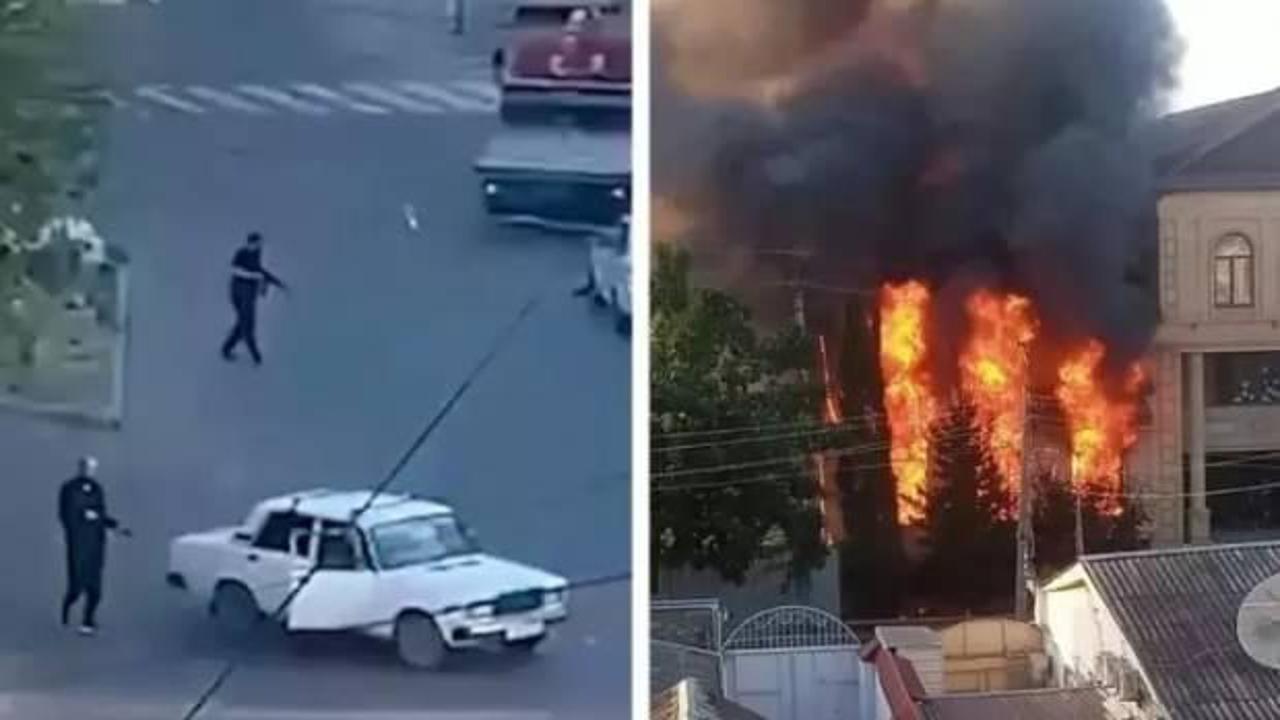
column 1053, row 704
column 1177, row 609
column 1228, row 145
column 898, row 680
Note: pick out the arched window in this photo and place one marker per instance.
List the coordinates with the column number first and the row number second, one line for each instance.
column 1233, row 272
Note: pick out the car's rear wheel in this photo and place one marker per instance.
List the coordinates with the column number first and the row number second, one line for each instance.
column 419, row 642
column 234, row 609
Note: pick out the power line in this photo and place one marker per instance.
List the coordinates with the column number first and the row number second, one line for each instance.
column 380, row 488
column 832, row 429
column 790, row 477
column 780, row 460
column 858, row 419
column 885, row 444
column 1233, row 490
column 828, row 430
column 742, row 429
column 780, row 478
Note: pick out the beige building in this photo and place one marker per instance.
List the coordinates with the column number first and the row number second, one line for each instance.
column 1216, row 360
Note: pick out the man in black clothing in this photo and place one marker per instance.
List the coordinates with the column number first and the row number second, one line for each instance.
column 82, row 510
column 249, row 281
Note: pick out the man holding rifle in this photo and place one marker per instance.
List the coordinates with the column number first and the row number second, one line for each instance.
column 249, row 281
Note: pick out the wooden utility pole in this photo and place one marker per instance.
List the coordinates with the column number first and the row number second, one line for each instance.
column 1024, row 553
column 1079, row 522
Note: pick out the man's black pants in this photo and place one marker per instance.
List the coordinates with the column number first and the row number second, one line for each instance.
column 244, row 300
column 84, row 578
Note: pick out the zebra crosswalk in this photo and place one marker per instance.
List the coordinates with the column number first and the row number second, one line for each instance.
column 472, row 97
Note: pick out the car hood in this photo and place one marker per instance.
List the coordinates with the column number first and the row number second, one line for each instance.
column 475, row 578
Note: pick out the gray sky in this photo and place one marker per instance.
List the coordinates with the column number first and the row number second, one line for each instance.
column 1232, row 49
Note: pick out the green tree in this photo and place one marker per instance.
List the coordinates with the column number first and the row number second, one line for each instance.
column 969, row 527
column 872, row 562
column 1107, row 526
column 48, row 124
column 729, row 500
column 48, row 138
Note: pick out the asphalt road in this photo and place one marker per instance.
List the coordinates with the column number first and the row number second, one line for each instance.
column 384, row 320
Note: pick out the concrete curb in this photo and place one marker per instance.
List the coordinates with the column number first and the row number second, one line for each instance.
column 35, row 706
column 110, row 417
column 109, row 3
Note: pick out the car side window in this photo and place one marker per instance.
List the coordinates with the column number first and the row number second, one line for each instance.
column 278, row 527
column 337, row 552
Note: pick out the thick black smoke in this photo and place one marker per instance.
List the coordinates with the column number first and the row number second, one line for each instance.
column 1013, row 164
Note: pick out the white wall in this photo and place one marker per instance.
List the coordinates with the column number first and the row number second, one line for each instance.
column 1078, row 631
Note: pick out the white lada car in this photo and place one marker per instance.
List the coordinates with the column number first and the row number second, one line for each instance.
column 408, row 571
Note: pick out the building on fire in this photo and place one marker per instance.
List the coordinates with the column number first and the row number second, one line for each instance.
column 1215, row 362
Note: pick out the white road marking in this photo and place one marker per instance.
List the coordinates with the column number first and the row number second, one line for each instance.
column 157, row 94
column 452, row 100
column 226, row 100
column 486, row 91
column 336, row 98
column 387, row 97
column 284, row 99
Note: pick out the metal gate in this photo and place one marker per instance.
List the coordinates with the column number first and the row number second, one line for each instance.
column 794, row 663
column 685, row 642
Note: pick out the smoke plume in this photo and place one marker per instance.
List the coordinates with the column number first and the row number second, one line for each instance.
column 965, row 142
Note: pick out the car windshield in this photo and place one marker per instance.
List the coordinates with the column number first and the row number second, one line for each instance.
column 420, row 540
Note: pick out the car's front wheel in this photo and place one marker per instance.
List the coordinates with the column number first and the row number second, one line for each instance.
column 419, row 642
column 234, row 609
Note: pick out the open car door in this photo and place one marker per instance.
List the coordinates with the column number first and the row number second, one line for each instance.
column 342, row 593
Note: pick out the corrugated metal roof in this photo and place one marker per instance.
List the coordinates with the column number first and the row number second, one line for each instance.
column 1177, row 609
column 1055, row 704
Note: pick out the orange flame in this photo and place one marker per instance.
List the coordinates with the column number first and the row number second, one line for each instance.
column 908, row 397
column 1101, row 429
column 993, row 374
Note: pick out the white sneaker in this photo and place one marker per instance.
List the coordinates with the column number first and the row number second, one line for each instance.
column 87, row 630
